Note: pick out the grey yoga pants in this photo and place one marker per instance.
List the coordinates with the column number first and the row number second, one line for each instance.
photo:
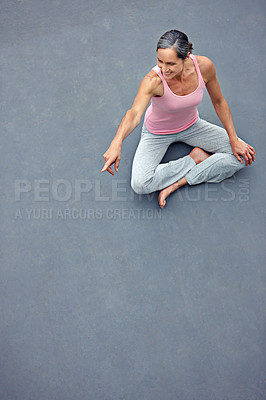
column 148, row 175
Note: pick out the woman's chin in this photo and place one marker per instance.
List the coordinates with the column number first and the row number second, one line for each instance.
column 168, row 76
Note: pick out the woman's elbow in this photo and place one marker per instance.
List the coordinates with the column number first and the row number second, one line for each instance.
column 219, row 102
column 133, row 116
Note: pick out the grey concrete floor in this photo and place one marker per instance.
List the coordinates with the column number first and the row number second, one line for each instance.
column 103, row 295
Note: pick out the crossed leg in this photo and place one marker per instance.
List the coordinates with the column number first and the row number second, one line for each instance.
column 148, row 175
column 221, row 164
column 198, row 156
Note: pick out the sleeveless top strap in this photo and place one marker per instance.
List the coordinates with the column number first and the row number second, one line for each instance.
column 197, row 68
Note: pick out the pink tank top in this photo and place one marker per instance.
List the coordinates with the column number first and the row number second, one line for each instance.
column 171, row 113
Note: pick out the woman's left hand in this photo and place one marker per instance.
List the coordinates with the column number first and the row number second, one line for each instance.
column 240, row 148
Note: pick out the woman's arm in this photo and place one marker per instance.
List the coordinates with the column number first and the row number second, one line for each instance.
column 130, row 121
column 239, row 147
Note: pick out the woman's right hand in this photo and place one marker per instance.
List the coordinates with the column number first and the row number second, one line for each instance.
column 132, row 118
column 112, row 156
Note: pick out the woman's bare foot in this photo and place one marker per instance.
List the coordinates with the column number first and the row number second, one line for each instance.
column 170, row 189
column 198, row 156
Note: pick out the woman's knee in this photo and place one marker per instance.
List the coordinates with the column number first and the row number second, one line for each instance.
column 139, row 184
column 237, row 164
column 229, row 166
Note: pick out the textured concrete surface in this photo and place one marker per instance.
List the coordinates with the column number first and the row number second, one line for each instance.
column 103, row 295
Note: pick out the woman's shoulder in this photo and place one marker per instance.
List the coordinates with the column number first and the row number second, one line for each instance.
column 153, row 76
column 152, row 81
column 206, row 67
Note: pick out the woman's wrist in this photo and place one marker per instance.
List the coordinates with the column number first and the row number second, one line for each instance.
column 232, row 136
column 233, row 139
column 117, row 142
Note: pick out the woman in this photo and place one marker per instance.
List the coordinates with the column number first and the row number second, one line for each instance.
column 175, row 88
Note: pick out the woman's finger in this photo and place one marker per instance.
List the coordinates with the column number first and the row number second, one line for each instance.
column 109, row 169
column 116, row 165
column 248, row 159
column 252, row 152
column 238, row 157
column 104, row 167
column 252, row 149
column 107, row 164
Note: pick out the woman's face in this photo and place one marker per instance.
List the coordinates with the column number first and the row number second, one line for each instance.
column 169, row 64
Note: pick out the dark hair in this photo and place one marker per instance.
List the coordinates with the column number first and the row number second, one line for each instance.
column 176, row 39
